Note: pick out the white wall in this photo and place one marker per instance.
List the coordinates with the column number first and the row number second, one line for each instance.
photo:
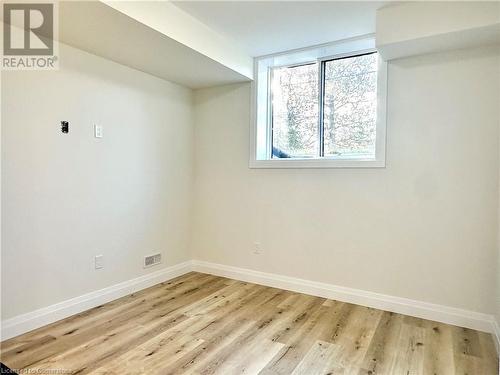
column 425, row 227
column 68, row 197
column 497, row 315
column 497, row 296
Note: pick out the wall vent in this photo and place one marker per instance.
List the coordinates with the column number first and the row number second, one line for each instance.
column 152, row 260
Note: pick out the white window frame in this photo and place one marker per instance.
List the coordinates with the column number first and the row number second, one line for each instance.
column 260, row 127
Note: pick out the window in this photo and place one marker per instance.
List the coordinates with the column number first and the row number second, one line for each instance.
column 320, row 107
column 294, row 111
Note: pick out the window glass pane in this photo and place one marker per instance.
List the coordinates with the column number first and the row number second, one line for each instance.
column 350, row 106
column 294, row 93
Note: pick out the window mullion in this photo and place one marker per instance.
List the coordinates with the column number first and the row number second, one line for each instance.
column 270, row 126
column 321, row 96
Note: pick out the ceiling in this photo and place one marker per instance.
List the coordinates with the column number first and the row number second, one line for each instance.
column 97, row 28
column 264, row 27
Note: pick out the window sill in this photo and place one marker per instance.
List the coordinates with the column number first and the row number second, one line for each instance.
column 316, row 163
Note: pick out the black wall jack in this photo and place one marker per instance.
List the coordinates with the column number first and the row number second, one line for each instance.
column 65, row 126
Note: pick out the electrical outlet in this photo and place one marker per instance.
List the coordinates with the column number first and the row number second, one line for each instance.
column 98, row 131
column 98, row 262
column 257, row 248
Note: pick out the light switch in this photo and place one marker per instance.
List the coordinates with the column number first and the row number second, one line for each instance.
column 98, row 131
column 98, row 262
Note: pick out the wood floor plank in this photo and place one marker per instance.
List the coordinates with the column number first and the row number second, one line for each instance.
column 438, row 347
column 317, row 359
column 469, row 357
column 251, row 360
column 299, row 341
column 204, row 324
column 488, row 349
column 410, row 357
column 381, row 353
column 357, row 336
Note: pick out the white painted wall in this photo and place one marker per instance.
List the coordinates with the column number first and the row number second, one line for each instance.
column 67, row 197
column 424, row 228
column 497, row 314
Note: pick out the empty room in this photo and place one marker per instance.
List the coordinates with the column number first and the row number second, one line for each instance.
column 250, row 187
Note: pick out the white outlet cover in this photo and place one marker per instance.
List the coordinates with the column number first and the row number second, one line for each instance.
column 98, row 131
column 257, row 248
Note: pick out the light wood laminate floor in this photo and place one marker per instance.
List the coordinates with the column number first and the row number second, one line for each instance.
column 203, row 324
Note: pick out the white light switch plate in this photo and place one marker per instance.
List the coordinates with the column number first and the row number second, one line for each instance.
column 99, row 263
column 98, row 131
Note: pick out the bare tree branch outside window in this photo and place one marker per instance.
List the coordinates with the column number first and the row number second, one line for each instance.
column 350, row 105
column 295, row 110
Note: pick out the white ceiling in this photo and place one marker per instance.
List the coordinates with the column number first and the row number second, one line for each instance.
column 97, row 28
column 264, row 27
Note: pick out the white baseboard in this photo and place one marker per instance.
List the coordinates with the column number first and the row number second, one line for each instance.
column 26, row 322
column 450, row 315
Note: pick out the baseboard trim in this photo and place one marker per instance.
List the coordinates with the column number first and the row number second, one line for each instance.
column 469, row 319
column 27, row 322
column 450, row 315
